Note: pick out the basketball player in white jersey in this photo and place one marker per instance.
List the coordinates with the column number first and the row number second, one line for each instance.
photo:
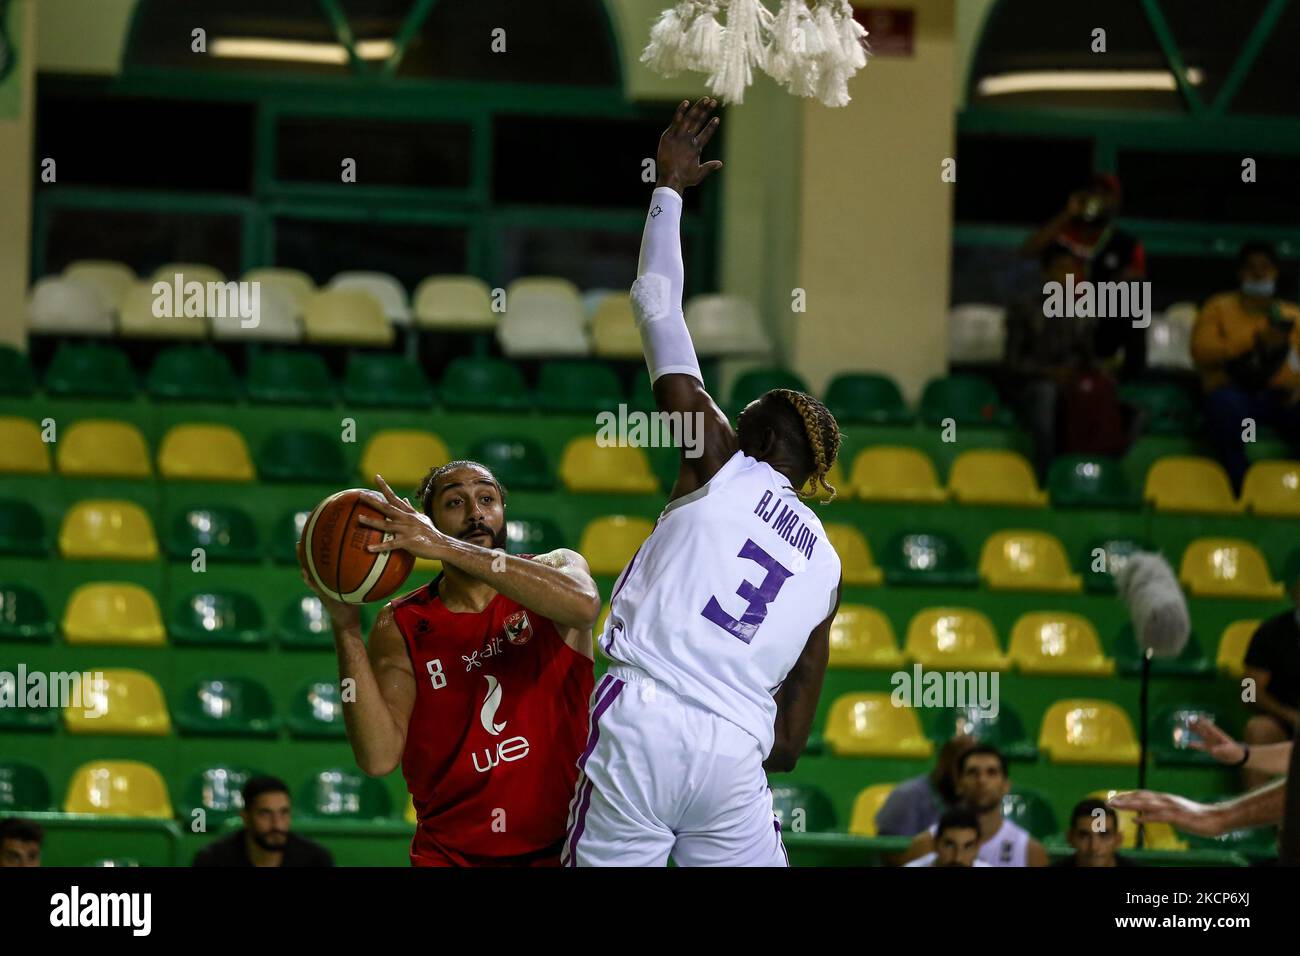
column 982, row 782
column 719, row 626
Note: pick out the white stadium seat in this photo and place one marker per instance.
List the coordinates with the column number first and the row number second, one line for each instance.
column 722, row 325
column 386, row 290
column 543, row 318
column 977, row 333
column 63, row 306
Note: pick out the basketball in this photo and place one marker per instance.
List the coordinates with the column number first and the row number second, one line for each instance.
column 335, row 543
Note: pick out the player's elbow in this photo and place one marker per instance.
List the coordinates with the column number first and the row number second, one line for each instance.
column 378, row 764
column 589, row 606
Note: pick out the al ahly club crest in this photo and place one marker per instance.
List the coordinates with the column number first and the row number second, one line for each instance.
column 519, row 630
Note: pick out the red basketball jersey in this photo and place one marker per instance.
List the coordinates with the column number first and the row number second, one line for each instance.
column 499, row 721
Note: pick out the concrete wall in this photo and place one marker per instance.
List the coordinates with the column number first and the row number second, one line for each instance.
column 16, row 173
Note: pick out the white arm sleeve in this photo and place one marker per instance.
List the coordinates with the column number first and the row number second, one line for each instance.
column 657, row 292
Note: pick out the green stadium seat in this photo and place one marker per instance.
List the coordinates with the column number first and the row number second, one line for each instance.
column 189, row 373
column 866, row 398
column 1086, row 481
column 1171, row 734
column 16, row 378
column 304, row 625
column 1004, row 731
column 22, row 530
column 218, row 619
column 288, row 377
column 285, row 535
column 578, row 388
column 1169, row 408
column 301, row 455
column 226, row 707
column 487, row 384
column 316, row 710
column 225, row 533
column 375, row 380
column 24, row 615
column 966, row 399
column 643, row 395
column 1030, row 811
column 217, row 791
column 1256, row 843
column 927, row 557
column 518, row 462
column 23, row 789
column 666, row 462
column 754, row 383
column 1117, row 551
column 90, row 370
column 22, row 719
column 530, row 535
column 802, row 809
column 1192, row 662
column 340, row 793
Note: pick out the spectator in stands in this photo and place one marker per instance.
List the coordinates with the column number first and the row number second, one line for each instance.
column 264, row 840
column 1094, row 834
column 1245, row 346
column 982, row 782
column 1086, row 227
column 956, row 841
column 917, row 804
column 20, row 842
column 1273, row 662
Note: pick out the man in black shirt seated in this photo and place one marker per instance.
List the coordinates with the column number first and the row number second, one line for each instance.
column 1094, row 833
column 264, row 840
column 1273, row 662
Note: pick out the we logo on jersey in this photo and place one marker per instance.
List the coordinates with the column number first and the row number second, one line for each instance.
column 508, row 750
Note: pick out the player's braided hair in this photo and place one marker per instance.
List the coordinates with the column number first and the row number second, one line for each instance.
column 823, row 434
column 430, row 481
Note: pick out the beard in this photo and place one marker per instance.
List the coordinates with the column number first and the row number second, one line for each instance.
column 272, row 842
column 499, row 538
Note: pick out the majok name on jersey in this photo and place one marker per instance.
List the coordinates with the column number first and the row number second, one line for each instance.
column 786, row 522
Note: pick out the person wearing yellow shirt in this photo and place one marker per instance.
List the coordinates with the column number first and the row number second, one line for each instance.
column 1246, row 346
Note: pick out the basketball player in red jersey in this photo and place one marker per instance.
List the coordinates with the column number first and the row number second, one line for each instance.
column 477, row 683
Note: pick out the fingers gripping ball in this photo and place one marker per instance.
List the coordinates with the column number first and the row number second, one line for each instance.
column 335, row 545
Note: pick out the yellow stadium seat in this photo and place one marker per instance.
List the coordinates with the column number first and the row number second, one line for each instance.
column 118, row 788
column 136, row 317
column 104, row 449
column 869, row 725
column 1058, row 643
column 1233, row 644
column 866, row 805
column 427, row 567
column 403, row 456
column 1026, row 561
column 113, row 613
column 863, row 637
column 588, row 467
column 109, row 278
column 991, row 477
column 346, row 317
column 110, row 530
column 188, row 271
column 292, row 285
column 21, row 450
column 954, row 639
column 1088, row 732
column 1227, row 567
column 1272, row 489
column 204, row 453
column 1188, row 484
column 120, row 701
column 454, row 302
column 834, row 478
column 1156, row 836
column 609, row 543
column 613, row 329
column 858, row 566
column 893, row 473
column 409, row 816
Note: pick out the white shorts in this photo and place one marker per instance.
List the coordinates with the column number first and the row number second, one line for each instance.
column 664, row 777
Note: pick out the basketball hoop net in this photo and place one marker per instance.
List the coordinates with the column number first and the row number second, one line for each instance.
column 811, row 47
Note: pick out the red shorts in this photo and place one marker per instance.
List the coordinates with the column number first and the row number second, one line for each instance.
column 432, row 854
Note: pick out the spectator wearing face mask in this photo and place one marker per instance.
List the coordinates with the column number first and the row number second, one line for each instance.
column 1086, row 227
column 1246, row 346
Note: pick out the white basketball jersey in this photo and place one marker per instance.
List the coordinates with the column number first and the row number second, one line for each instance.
column 717, row 604
column 1008, row 847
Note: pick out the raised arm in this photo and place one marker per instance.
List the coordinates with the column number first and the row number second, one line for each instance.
column 378, row 711
column 657, row 300
column 796, row 698
column 1258, row 808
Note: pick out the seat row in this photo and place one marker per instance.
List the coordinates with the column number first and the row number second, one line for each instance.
column 532, row 316
column 1010, row 560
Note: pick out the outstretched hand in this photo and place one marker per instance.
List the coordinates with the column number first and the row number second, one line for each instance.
column 1213, row 741
column 678, row 160
column 1187, row 815
column 411, row 531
